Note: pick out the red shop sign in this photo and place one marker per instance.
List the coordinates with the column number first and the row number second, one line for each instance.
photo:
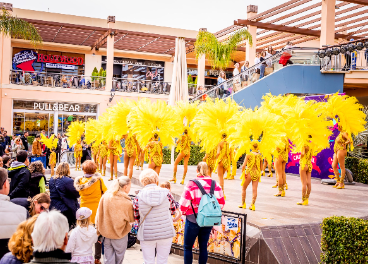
column 60, row 59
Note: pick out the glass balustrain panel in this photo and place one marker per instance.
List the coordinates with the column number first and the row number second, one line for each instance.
column 18, row 123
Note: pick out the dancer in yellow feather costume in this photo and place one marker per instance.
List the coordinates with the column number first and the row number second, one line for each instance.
column 260, row 132
column 93, row 136
column 103, row 154
column 309, row 131
column 130, row 153
column 74, row 133
column 51, row 143
column 351, row 120
column 155, row 120
column 213, row 124
column 186, row 112
column 210, row 159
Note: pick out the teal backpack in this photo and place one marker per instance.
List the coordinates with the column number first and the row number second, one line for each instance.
column 209, row 210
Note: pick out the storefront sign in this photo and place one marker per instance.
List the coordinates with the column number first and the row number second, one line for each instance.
column 135, row 62
column 60, row 59
column 60, row 66
column 24, row 60
column 56, row 107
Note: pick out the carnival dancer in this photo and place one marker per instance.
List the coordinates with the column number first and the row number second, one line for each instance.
column 210, row 159
column 93, row 136
column 213, row 124
column 281, row 158
column 114, row 152
column 257, row 133
column 51, row 143
column 156, row 120
column 309, row 133
column 186, row 112
column 130, row 153
column 351, row 120
column 95, row 154
column 74, row 133
column 103, row 155
column 266, row 164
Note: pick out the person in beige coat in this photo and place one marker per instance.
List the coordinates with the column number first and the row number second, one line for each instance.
column 113, row 220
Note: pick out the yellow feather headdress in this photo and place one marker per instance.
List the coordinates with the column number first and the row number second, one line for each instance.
column 118, row 117
column 348, row 111
column 148, row 118
column 214, row 119
column 305, row 119
column 93, row 131
column 49, row 142
column 186, row 112
column 257, row 126
column 75, row 131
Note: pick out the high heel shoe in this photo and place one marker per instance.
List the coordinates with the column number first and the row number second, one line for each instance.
column 243, row 206
column 263, row 173
column 304, row 202
column 286, row 186
column 252, row 207
column 270, row 175
column 341, row 187
column 275, row 186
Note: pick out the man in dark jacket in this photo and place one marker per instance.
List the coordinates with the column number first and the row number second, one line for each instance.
column 25, row 140
column 7, row 140
column 20, row 176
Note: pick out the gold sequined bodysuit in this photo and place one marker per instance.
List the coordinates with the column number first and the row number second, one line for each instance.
column 340, row 143
column 225, row 156
column 184, row 145
column 306, row 160
column 130, row 145
column 115, row 144
column 103, row 150
column 78, row 150
column 284, row 152
column 95, row 148
column 253, row 166
column 211, row 159
column 52, row 160
column 155, row 152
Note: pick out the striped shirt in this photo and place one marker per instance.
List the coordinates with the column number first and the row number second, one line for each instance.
column 193, row 194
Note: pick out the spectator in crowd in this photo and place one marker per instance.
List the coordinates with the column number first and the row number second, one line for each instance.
column 1, row 162
column 50, row 238
column 2, row 151
column 2, row 140
column 37, row 183
column 153, row 204
column 114, row 218
column 17, row 147
column 167, row 185
column 244, row 76
column 222, row 89
column 36, row 146
column 270, row 51
column 64, row 196
column 25, row 140
column 20, row 176
column 10, row 214
column 263, row 65
column 236, row 79
column 7, row 140
column 20, row 244
column 6, row 161
column 82, row 238
column 34, row 205
column 91, row 188
column 190, row 200
column 58, row 148
column 1, row 130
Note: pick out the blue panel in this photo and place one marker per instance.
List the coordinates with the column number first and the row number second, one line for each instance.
column 291, row 79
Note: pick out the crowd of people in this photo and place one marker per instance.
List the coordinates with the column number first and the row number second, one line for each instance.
column 62, row 224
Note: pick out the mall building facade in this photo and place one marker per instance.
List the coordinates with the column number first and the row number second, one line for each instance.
column 83, row 66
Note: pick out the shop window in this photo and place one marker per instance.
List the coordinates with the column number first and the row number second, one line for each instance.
column 34, row 123
column 18, row 123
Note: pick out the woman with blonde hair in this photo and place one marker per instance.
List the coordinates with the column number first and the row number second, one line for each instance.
column 20, row 244
column 64, row 196
column 113, row 219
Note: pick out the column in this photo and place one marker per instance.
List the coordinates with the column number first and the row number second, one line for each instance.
column 201, row 70
column 5, row 50
column 250, row 53
column 110, row 53
column 327, row 22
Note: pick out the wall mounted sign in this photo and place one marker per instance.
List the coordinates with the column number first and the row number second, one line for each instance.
column 24, row 60
column 56, row 107
column 124, row 61
column 60, row 59
column 60, row 66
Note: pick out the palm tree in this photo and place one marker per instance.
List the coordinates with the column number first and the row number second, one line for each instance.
column 18, row 28
column 219, row 52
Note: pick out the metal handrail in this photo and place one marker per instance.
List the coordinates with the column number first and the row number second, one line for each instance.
column 250, row 71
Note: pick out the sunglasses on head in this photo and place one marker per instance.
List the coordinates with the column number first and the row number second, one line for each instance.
column 43, row 208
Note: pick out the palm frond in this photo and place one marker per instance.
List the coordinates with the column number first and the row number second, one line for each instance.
column 18, row 28
column 360, row 140
column 219, row 53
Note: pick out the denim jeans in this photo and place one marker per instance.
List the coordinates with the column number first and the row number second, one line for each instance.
column 262, row 69
column 191, row 231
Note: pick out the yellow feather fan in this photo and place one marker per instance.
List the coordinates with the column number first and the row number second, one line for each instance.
column 186, row 112
column 148, row 118
column 305, row 119
column 257, row 126
column 349, row 112
column 118, row 117
column 75, row 131
column 49, row 142
column 93, row 131
column 214, row 119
